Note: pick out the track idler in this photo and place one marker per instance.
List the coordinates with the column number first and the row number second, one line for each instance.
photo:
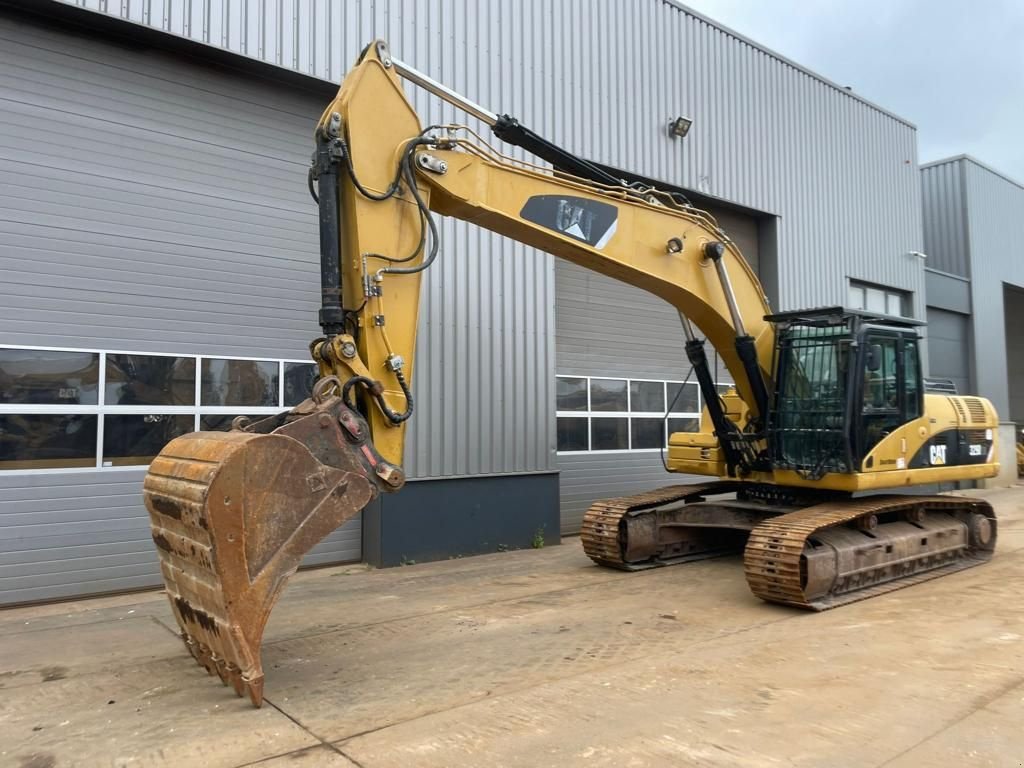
column 233, row 513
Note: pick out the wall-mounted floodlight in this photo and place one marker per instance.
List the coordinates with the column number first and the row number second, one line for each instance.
column 678, row 127
column 918, row 254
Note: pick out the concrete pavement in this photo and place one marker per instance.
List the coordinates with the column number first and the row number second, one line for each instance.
column 538, row 658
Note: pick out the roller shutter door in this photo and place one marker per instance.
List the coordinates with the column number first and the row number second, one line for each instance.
column 605, row 328
column 148, row 203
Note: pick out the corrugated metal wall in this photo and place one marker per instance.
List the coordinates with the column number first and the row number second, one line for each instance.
column 1013, row 301
column 974, row 226
column 945, row 217
column 840, row 173
column 995, row 215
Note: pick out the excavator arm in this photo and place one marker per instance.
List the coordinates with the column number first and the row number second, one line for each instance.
column 233, row 513
column 390, row 174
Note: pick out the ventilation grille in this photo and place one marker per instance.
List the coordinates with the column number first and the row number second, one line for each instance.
column 960, row 410
column 976, row 408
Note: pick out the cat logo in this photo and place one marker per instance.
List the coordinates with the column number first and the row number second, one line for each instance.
column 938, row 454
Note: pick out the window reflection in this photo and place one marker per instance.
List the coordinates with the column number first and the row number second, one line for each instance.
column 150, row 380
column 572, row 433
column 44, row 377
column 647, row 433
column 685, row 396
column 571, row 394
column 298, row 382
column 137, row 393
column 31, row 441
column 130, row 439
column 221, row 422
column 608, row 395
column 647, row 396
column 609, row 434
column 239, row 382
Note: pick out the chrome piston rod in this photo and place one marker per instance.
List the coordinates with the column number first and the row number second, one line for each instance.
column 427, row 83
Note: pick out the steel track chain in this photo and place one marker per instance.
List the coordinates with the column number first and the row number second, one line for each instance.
column 772, row 562
column 601, row 534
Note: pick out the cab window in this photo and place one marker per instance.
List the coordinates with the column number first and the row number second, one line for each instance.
column 911, row 380
column 881, row 383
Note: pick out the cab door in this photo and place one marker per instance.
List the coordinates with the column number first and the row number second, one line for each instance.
column 890, row 392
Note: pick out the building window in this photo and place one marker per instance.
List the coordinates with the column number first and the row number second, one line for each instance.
column 66, row 409
column 601, row 414
column 49, row 377
column 878, row 298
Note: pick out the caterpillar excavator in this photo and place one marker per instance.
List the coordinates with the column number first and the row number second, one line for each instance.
column 828, row 408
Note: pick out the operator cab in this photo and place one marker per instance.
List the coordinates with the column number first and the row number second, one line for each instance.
column 844, row 380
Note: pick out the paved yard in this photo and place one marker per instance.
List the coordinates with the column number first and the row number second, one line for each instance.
column 538, row 658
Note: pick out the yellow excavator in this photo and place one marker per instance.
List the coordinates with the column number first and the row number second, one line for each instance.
column 828, row 407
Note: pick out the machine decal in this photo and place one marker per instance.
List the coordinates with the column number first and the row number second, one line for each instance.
column 954, row 447
column 580, row 218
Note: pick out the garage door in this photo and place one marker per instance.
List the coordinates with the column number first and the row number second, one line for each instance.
column 1013, row 315
column 148, row 205
column 620, row 344
column 948, row 347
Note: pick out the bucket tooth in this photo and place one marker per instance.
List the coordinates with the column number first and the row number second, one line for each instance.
column 232, row 514
column 255, row 688
column 221, row 667
column 235, row 678
column 190, row 644
column 205, row 658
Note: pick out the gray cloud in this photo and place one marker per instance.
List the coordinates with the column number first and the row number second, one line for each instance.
column 952, row 67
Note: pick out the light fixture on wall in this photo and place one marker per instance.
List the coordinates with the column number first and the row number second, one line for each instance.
column 678, row 127
column 921, row 256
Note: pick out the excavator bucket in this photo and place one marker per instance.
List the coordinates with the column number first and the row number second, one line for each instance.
column 233, row 513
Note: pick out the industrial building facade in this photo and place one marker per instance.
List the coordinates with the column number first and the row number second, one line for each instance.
column 974, row 238
column 159, row 255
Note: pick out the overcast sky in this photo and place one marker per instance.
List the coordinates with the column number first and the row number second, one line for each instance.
column 954, row 68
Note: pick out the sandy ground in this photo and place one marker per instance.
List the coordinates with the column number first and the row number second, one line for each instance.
column 538, row 658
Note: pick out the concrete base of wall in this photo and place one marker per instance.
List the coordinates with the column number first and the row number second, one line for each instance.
column 1007, row 442
column 441, row 519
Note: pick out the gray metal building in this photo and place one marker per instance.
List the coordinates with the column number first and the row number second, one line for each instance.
column 153, row 215
column 974, row 239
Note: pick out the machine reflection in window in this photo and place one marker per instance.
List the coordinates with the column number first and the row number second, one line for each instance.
column 298, row 382
column 50, row 441
column 150, row 380
column 45, row 377
column 239, row 382
column 134, row 439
